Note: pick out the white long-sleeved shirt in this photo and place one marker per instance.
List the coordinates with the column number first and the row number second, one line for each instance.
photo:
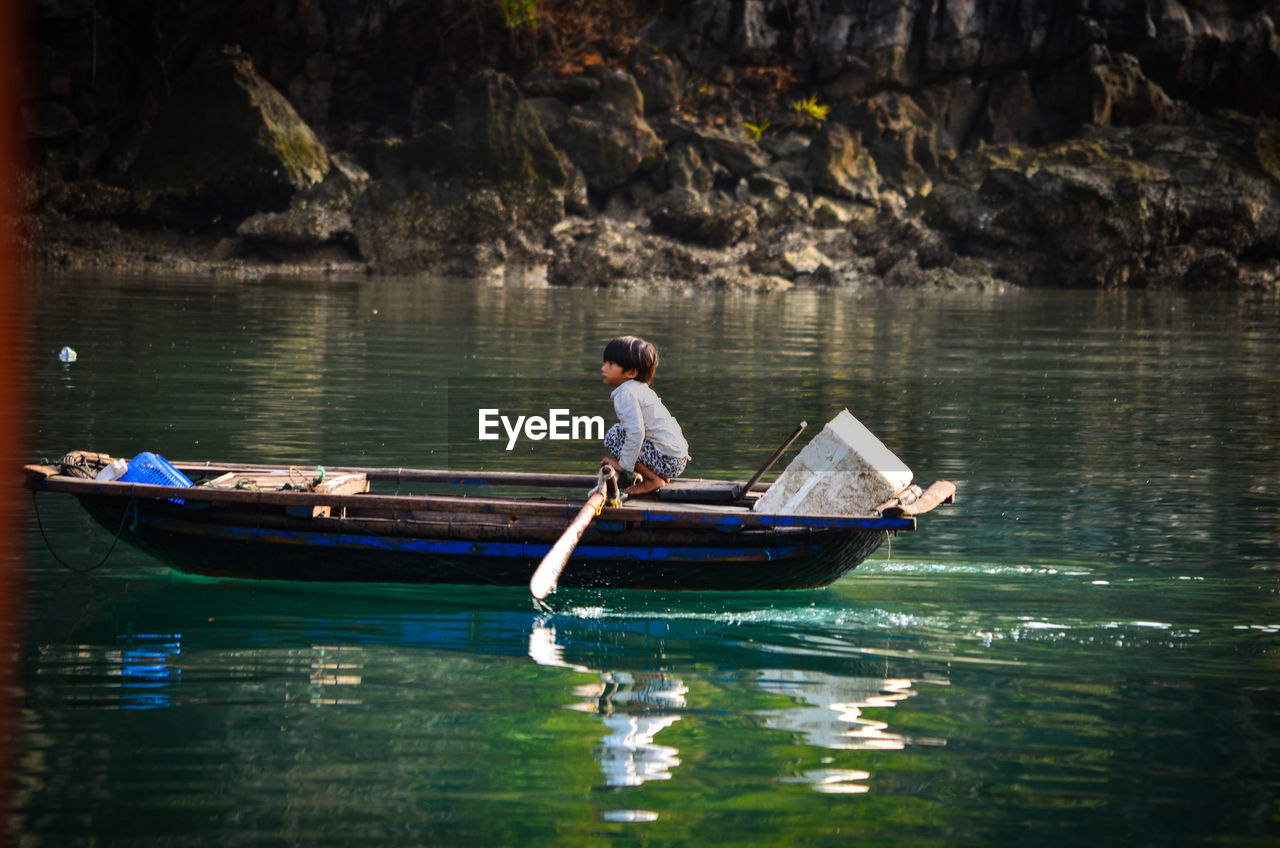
column 642, row 414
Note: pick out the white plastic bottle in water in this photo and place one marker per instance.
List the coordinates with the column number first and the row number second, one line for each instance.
column 114, row 471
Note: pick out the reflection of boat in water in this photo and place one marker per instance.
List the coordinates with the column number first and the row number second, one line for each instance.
column 650, row 680
column 144, row 673
column 832, row 715
column 636, row 706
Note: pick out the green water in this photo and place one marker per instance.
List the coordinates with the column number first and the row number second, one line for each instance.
column 1083, row 650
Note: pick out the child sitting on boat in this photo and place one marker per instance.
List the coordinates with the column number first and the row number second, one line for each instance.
column 647, row 440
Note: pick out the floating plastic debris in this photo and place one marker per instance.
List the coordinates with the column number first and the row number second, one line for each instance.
column 67, row 355
column 629, row 815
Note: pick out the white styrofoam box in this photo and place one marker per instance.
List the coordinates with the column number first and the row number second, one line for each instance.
column 844, row 470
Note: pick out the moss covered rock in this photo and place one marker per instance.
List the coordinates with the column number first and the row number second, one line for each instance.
column 223, row 145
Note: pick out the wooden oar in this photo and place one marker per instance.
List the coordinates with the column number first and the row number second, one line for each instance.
column 543, row 582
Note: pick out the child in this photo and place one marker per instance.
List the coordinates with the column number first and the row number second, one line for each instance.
column 646, row 440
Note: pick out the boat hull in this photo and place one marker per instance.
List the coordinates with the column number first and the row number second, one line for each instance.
column 613, row 554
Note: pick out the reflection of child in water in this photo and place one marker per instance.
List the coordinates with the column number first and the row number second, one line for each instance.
column 636, row 707
column 647, row 440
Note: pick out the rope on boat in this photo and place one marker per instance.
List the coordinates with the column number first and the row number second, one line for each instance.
column 76, row 464
column 35, row 503
column 305, row 486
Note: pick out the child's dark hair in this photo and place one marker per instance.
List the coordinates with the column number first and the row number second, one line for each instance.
column 633, row 353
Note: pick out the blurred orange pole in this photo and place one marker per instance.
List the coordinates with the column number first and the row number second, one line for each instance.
column 12, row 53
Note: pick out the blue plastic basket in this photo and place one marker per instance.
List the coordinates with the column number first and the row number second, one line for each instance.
column 153, row 470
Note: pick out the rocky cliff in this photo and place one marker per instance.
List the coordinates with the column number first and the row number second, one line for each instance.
column 744, row 143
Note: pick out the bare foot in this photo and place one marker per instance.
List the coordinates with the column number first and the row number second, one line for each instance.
column 649, row 481
column 645, row 487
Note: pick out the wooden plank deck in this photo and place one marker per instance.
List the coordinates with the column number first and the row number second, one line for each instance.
column 293, row 480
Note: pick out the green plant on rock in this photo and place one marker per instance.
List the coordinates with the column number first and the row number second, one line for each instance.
column 519, row 13
column 754, row 131
column 811, row 107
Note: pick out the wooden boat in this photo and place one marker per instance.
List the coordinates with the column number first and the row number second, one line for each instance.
column 412, row 526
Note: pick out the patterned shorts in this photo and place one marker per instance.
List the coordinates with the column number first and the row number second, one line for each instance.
column 658, row 463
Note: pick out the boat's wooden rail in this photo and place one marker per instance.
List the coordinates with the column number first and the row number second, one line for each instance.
column 49, row 478
column 343, row 487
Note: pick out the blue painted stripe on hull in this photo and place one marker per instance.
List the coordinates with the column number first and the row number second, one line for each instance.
column 517, row 550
